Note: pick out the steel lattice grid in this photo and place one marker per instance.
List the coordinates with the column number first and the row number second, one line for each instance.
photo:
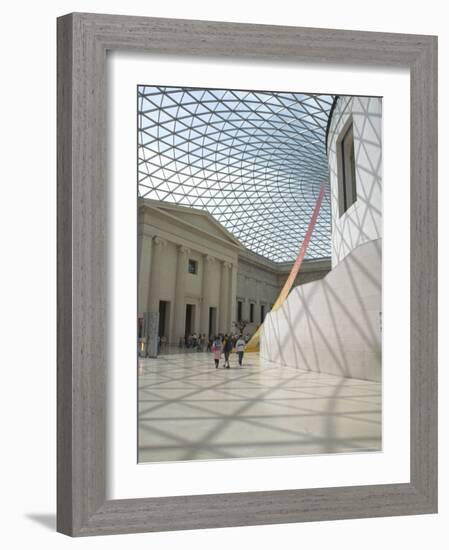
column 254, row 160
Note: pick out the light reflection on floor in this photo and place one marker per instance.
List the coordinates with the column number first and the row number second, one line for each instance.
column 188, row 410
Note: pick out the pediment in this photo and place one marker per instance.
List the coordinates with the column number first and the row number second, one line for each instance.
column 199, row 219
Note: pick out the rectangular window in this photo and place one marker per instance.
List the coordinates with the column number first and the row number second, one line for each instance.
column 347, row 189
column 193, row 267
column 251, row 313
column 239, row 310
column 262, row 313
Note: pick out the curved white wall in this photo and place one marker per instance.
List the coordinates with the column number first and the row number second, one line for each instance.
column 332, row 325
column 362, row 222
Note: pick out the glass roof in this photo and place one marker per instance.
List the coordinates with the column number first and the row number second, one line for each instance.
column 254, row 160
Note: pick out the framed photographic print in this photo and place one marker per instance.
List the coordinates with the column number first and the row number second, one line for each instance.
column 238, row 341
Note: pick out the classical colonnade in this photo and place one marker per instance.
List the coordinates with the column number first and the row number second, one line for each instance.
column 217, row 290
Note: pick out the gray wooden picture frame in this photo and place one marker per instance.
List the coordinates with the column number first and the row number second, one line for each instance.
column 83, row 40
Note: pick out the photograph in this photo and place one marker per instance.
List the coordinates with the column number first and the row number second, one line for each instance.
column 259, row 328
column 227, row 251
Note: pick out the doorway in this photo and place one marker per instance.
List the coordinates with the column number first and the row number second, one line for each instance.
column 190, row 319
column 164, row 319
column 212, row 321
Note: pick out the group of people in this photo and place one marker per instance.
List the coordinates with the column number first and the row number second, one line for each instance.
column 223, row 345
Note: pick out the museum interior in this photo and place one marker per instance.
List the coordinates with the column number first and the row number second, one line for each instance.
column 259, row 223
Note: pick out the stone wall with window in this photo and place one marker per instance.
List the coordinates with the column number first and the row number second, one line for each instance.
column 355, row 165
column 187, row 270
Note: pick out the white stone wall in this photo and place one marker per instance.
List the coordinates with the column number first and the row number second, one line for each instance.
column 362, row 222
column 258, row 285
column 332, row 325
column 167, row 282
column 194, row 281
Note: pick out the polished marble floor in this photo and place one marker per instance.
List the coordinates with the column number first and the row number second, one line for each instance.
column 188, row 410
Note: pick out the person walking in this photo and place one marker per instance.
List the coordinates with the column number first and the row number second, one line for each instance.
column 216, row 350
column 227, row 348
column 240, row 348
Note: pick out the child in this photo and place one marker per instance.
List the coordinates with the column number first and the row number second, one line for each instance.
column 240, row 348
column 227, row 349
column 216, row 350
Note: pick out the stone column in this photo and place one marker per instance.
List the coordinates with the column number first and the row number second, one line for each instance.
column 180, row 293
column 245, row 307
column 224, row 297
column 151, row 317
column 156, row 274
column 206, row 293
column 233, row 297
column 144, row 273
